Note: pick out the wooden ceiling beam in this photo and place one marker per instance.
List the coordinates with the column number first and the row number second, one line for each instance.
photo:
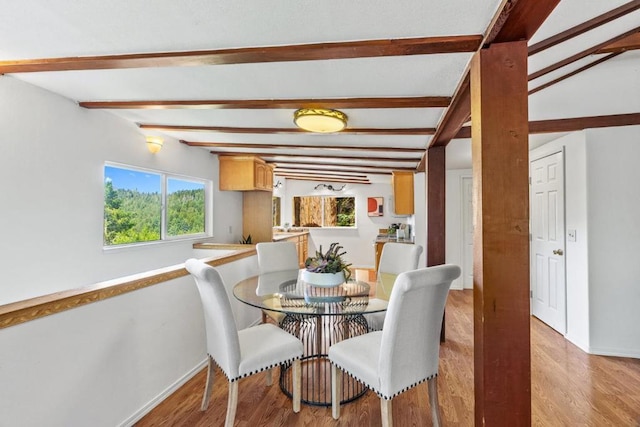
column 331, row 103
column 517, row 20
column 348, row 174
column 572, row 124
column 585, row 26
column 337, row 165
column 247, row 55
column 369, row 158
column 227, row 129
column 580, row 55
column 324, row 178
column 573, row 73
column 232, row 145
column 628, row 43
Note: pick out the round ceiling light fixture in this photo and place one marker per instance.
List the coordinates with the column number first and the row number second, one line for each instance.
column 320, row 120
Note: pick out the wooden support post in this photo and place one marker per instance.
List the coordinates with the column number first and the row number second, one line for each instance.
column 435, row 175
column 502, row 357
column 435, row 188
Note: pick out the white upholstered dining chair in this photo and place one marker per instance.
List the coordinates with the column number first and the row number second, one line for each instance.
column 396, row 258
column 239, row 353
column 406, row 352
column 274, row 257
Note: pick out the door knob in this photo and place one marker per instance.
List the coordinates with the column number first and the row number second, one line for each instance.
column 558, row 252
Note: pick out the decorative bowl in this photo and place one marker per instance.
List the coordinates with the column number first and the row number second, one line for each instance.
column 325, row 280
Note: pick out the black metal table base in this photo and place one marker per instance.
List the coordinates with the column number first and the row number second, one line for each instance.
column 318, row 333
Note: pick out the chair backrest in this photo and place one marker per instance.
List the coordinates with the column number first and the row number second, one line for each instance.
column 397, row 258
column 411, row 333
column 222, row 333
column 277, row 256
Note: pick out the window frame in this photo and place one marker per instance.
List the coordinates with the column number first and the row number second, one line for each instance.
column 323, row 197
column 164, row 184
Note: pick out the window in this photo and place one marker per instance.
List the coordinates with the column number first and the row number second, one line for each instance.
column 324, row 211
column 144, row 206
column 275, row 207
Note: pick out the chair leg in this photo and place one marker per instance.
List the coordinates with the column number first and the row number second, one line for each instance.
column 269, row 379
column 386, row 412
column 232, row 404
column 433, row 402
column 208, row 388
column 297, row 384
column 336, row 391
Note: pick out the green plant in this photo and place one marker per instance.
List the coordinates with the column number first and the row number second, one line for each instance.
column 329, row 262
column 246, row 241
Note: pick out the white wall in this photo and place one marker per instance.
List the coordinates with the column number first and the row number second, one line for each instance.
column 108, row 363
column 614, row 240
column 602, row 269
column 52, row 155
column 358, row 242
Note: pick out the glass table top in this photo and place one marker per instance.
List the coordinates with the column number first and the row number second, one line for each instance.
column 286, row 292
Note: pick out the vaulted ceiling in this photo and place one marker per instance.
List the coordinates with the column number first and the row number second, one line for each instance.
column 226, row 77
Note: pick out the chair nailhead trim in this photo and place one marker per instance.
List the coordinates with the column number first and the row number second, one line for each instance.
column 255, row 372
column 380, row 394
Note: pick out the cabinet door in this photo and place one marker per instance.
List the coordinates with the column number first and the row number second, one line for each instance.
column 378, row 249
column 260, row 176
column 402, row 183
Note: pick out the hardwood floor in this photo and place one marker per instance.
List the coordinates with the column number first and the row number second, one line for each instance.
column 569, row 388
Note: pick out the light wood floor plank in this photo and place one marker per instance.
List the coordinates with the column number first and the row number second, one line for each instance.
column 569, row 388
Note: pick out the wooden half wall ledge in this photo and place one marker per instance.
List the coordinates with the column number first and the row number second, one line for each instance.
column 31, row 309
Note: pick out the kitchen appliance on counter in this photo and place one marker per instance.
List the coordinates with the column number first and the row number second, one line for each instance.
column 404, row 231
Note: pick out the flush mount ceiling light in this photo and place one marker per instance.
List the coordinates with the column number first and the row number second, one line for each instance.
column 320, row 120
column 154, row 143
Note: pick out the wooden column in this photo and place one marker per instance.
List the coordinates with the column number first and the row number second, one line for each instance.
column 435, row 188
column 435, row 176
column 501, row 235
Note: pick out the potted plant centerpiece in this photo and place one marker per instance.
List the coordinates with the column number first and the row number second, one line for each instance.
column 326, row 269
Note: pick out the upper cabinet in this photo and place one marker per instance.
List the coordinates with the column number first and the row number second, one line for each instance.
column 245, row 173
column 402, row 183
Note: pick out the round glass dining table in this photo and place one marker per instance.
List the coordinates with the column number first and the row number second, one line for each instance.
column 320, row 317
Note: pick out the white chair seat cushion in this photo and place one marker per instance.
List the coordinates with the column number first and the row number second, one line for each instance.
column 359, row 357
column 265, row 346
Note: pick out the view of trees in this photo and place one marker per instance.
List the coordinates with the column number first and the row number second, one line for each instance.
column 131, row 216
column 324, row 211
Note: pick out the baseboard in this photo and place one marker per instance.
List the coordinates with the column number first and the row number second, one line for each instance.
column 582, row 346
column 163, row 395
column 617, row 352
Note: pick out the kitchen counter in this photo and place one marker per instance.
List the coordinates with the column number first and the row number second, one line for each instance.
column 383, row 238
column 281, row 235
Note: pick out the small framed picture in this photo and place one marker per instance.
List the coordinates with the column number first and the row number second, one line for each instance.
column 375, row 206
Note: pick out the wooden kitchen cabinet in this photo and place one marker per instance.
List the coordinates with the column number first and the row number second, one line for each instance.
column 379, row 246
column 245, row 173
column 402, row 183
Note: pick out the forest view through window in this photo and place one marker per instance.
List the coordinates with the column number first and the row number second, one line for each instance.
column 133, row 206
column 324, row 211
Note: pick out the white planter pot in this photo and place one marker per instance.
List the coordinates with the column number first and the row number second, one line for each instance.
column 323, row 279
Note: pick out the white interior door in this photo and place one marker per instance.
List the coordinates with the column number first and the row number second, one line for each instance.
column 548, row 288
column 467, row 232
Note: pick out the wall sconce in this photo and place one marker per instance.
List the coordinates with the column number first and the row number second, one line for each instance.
column 277, row 184
column 154, row 144
column 328, row 187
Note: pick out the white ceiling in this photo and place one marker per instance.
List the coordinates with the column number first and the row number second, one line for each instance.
column 32, row 29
